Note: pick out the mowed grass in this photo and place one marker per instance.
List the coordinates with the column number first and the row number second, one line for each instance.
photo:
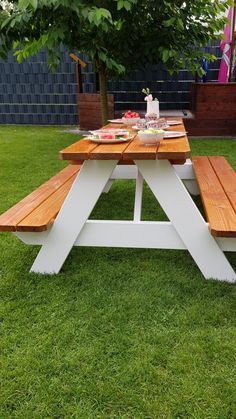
column 119, row 333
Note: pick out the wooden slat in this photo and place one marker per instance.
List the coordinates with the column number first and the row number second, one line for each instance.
column 126, row 162
column 219, row 212
column 109, row 151
column 138, row 151
column 174, row 149
column 18, row 212
column 78, row 151
column 121, row 162
column 226, row 176
column 42, row 217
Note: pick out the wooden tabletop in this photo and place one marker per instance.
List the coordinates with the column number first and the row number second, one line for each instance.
column 175, row 150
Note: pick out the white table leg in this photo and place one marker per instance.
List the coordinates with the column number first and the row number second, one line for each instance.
column 192, row 187
column 138, row 197
column 75, row 211
column 186, row 218
column 108, row 186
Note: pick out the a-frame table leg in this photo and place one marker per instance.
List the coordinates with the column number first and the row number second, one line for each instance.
column 75, row 211
column 138, row 197
column 186, row 218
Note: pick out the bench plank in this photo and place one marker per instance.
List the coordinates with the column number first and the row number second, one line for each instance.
column 219, row 211
column 226, row 176
column 44, row 215
column 12, row 217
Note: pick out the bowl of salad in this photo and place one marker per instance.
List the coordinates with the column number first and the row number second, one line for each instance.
column 151, row 136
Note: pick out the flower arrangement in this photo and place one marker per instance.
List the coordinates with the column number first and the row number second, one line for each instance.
column 148, row 97
column 152, row 105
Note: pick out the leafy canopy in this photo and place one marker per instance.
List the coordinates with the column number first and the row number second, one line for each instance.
column 117, row 34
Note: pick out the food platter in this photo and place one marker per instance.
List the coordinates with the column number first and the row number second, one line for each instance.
column 98, row 140
column 109, row 136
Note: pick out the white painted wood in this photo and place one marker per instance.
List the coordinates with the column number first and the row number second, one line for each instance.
column 192, row 187
column 32, row 238
column 124, row 171
column 227, row 244
column 101, row 233
column 184, row 171
column 144, row 234
column 186, row 230
column 141, row 234
column 186, row 218
column 138, row 198
column 75, row 211
column 108, row 186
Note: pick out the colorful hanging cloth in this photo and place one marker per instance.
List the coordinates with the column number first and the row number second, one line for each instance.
column 225, row 47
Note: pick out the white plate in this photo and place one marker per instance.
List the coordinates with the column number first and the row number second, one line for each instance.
column 135, row 128
column 173, row 122
column 108, row 141
column 174, row 134
column 116, row 121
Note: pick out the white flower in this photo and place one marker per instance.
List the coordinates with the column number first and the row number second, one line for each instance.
column 149, row 98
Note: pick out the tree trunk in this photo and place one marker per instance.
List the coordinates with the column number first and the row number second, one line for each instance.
column 103, row 92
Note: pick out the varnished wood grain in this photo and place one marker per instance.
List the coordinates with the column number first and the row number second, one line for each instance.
column 42, row 217
column 219, row 211
column 78, row 151
column 10, row 219
column 226, row 176
column 176, row 150
column 109, row 151
column 138, row 151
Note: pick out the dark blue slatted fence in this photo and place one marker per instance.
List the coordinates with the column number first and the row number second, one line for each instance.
column 31, row 94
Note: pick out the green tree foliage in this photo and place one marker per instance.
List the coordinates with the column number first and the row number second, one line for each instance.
column 118, row 35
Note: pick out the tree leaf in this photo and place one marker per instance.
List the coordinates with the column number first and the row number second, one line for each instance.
column 5, row 22
column 127, row 5
column 23, row 4
column 169, row 22
column 34, row 4
column 120, row 4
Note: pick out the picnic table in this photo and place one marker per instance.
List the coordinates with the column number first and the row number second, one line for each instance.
column 169, row 172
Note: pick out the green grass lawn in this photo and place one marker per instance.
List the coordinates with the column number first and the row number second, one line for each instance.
column 119, row 333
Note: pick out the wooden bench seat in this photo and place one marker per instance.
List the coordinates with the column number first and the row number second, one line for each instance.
column 37, row 211
column 217, row 183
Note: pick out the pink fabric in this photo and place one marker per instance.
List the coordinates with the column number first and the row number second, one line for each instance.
column 225, row 48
